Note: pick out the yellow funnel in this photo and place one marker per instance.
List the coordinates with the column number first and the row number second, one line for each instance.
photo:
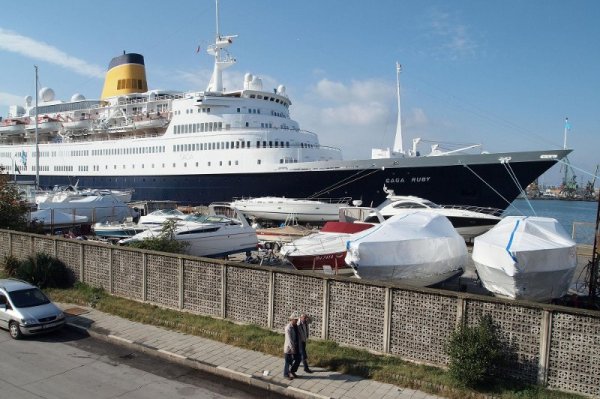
column 126, row 74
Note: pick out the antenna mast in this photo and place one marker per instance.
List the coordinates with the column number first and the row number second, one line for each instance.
column 222, row 58
column 398, row 148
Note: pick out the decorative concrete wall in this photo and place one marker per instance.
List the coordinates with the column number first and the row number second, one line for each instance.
column 555, row 346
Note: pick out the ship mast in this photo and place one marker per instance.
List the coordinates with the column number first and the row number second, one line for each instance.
column 37, row 152
column 222, row 58
column 398, row 148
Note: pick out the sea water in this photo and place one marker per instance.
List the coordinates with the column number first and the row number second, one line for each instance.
column 577, row 217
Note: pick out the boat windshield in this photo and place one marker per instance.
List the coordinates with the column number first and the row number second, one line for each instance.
column 198, row 218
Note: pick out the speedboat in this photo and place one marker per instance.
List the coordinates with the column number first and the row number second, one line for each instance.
column 127, row 228
column 529, row 258
column 52, row 218
column 96, row 207
column 469, row 221
column 300, row 210
column 418, row 248
column 213, row 235
column 325, row 250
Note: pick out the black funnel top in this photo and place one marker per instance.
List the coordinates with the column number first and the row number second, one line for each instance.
column 131, row 58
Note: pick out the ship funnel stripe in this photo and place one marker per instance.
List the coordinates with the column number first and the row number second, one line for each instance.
column 131, row 58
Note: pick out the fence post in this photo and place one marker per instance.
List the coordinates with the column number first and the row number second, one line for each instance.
column 271, row 316
column 224, row 291
column 325, row 325
column 110, row 270
column 545, row 334
column 32, row 248
column 144, row 277
column 55, row 247
column 180, row 282
column 82, row 262
column 461, row 311
column 10, row 252
column 387, row 319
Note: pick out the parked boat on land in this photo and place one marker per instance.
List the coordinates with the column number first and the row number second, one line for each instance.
column 221, row 144
column 418, row 248
column 96, row 207
column 526, row 257
column 325, row 250
column 469, row 221
column 282, row 209
column 55, row 219
column 213, row 235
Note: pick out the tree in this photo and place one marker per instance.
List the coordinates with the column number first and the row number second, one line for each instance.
column 13, row 209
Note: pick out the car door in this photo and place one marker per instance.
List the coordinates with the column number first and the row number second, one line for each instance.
column 4, row 310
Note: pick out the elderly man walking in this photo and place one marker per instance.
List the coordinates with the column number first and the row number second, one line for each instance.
column 303, row 323
column 291, row 348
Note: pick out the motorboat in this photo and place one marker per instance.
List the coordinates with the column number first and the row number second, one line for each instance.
column 418, row 248
column 529, row 258
column 325, row 250
column 469, row 221
column 212, row 235
column 279, row 235
column 128, row 228
column 52, row 218
column 282, row 209
column 159, row 216
column 96, row 207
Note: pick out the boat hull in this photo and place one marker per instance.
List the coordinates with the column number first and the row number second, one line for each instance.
column 331, row 263
column 478, row 180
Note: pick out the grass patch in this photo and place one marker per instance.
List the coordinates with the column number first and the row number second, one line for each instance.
column 326, row 354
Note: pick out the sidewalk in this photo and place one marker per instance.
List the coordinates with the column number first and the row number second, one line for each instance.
column 253, row 368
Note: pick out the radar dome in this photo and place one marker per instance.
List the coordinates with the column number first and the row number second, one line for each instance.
column 28, row 101
column 256, row 83
column 281, row 89
column 46, row 94
column 248, row 77
column 77, row 97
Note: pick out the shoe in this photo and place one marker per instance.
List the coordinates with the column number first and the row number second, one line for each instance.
column 307, row 370
column 294, row 375
column 290, row 378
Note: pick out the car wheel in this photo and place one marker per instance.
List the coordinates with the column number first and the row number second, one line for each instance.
column 14, row 330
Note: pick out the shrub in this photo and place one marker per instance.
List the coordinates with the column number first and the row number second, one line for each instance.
column 44, row 271
column 475, row 353
column 11, row 264
column 164, row 242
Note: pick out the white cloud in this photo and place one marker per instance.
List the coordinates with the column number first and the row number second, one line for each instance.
column 11, row 99
column 28, row 47
column 454, row 35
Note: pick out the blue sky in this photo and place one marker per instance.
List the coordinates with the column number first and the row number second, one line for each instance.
column 503, row 74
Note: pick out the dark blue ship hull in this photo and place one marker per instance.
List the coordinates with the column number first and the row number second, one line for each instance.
column 444, row 180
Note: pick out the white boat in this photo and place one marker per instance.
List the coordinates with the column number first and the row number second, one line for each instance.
column 221, row 143
column 282, row 209
column 159, row 216
column 469, row 221
column 418, row 248
column 208, row 235
column 46, row 124
column 325, row 250
column 53, row 218
column 129, row 228
column 530, row 258
column 96, row 207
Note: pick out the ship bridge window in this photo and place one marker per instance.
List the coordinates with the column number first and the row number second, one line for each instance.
column 287, row 144
column 252, row 96
column 270, row 144
column 243, row 144
column 238, row 110
column 258, row 144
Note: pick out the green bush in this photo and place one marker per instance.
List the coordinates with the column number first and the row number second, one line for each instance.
column 475, row 353
column 44, row 271
column 11, row 264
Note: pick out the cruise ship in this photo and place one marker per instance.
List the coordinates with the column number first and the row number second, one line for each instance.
column 200, row 147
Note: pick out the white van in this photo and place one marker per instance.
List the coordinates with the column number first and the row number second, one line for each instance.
column 25, row 310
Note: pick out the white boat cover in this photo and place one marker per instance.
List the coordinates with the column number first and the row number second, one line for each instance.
column 531, row 258
column 53, row 217
column 419, row 248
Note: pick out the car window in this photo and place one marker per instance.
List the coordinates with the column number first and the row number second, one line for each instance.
column 2, row 300
column 28, row 298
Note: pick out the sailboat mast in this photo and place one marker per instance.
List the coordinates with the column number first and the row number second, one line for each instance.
column 37, row 152
column 398, row 147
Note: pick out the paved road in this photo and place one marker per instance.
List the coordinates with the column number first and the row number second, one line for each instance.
column 68, row 365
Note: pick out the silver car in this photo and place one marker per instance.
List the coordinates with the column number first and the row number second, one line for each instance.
column 25, row 310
